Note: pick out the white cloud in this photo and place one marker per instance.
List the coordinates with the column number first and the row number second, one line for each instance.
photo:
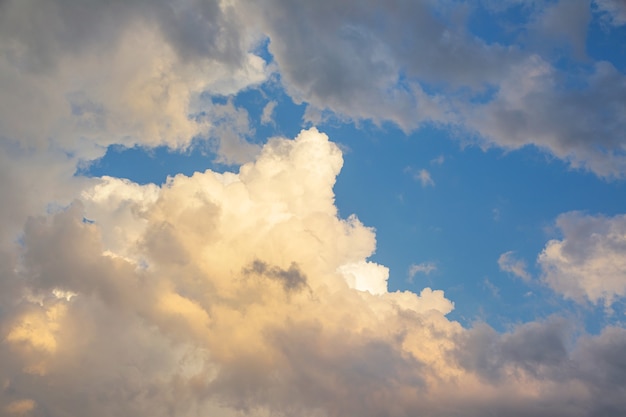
column 589, row 262
column 509, row 263
column 365, row 276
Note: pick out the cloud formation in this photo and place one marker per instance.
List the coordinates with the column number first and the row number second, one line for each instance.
column 588, row 263
column 245, row 293
column 417, row 64
column 614, row 10
column 509, row 263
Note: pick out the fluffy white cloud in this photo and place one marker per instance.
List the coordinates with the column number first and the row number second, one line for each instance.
column 589, row 262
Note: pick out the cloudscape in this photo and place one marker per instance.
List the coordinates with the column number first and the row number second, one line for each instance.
column 262, row 208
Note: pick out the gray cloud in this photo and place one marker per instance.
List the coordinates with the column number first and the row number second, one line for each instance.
column 587, row 264
column 414, row 62
column 291, row 279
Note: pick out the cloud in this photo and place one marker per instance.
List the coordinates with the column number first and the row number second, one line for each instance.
column 424, row 178
column 422, row 175
column 20, row 407
column 371, row 60
column 613, row 10
column 588, row 263
column 424, row 268
column 438, row 160
column 79, row 77
column 267, row 117
column 98, row 73
column 245, row 293
column 508, row 263
column 531, row 109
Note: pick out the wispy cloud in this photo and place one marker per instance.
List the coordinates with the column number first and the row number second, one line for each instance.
column 422, row 268
column 438, row 160
column 423, row 176
column 508, row 262
column 267, row 117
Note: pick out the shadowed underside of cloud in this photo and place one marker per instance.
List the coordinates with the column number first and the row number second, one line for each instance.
column 236, row 294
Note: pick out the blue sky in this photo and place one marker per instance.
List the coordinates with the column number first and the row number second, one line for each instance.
column 285, row 208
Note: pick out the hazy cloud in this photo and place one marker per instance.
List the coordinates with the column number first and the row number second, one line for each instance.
column 267, row 117
column 509, row 263
column 614, row 10
column 423, row 268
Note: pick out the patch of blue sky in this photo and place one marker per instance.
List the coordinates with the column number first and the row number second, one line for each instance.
column 152, row 165
column 498, row 22
column 480, row 205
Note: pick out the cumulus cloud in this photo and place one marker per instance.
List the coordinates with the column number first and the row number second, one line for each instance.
column 588, row 263
column 245, row 293
column 509, row 263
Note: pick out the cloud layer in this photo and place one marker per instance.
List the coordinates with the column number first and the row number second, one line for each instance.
column 246, row 293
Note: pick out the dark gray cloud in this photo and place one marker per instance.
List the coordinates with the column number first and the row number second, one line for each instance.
column 292, row 279
column 417, row 62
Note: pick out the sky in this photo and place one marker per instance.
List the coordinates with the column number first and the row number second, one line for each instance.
column 259, row 208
